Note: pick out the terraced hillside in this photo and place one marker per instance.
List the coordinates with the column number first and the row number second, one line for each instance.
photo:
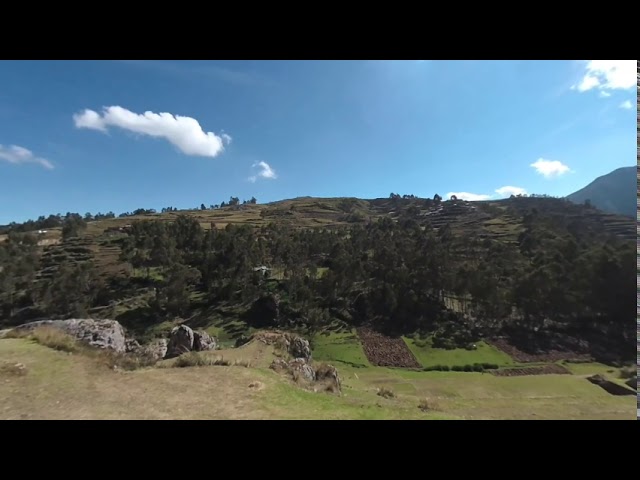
column 440, row 261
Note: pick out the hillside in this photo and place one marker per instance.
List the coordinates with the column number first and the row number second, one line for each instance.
column 545, row 272
column 615, row 192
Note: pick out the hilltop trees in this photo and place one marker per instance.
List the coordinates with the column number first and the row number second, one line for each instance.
column 72, row 226
column 395, row 273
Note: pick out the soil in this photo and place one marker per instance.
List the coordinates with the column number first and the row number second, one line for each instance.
column 385, row 351
column 546, row 356
column 541, row 370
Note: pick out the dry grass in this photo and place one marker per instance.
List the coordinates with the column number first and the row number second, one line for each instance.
column 56, row 339
column 195, row 359
column 14, row 369
column 428, row 404
column 49, row 337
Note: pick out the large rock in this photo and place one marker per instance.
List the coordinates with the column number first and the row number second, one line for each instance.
column 107, row 334
column 183, row 339
column 299, row 348
column 180, row 341
column 156, row 349
column 301, row 370
column 328, row 374
column 202, row 341
column 294, row 345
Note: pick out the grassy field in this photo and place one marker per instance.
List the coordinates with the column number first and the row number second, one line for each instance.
column 57, row 385
column 429, row 356
column 339, row 347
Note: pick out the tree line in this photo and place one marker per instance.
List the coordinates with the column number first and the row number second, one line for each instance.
column 392, row 275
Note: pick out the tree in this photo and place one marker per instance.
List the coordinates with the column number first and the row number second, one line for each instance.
column 203, row 206
column 72, row 226
column 253, row 201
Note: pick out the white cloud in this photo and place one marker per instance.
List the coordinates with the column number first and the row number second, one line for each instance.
column 183, row 132
column 608, row 75
column 627, row 105
column 265, row 172
column 17, row 155
column 507, row 191
column 471, row 197
column 604, row 94
column 550, row 168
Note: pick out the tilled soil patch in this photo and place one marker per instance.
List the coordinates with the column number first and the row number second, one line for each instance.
column 541, row 370
column 550, row 356
column 385, row 351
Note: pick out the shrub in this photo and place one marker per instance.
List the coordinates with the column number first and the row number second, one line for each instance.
column 457, row 368
column 478, row 367
column 490, row 366
column 385, row 392
column 468, row 368
column 437, row 368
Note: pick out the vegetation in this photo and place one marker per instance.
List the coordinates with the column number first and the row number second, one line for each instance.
column 452, row 271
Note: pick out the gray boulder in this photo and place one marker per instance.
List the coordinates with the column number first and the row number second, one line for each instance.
column 157, row 349
column 180, row 341
column 299, row 348
column 300, row 369
column 107, row 334
column 202, row 341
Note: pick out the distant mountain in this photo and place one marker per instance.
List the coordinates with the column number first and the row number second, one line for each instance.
column 615, row 192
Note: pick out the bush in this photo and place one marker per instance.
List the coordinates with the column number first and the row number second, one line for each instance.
column 468, row 368
column 457, row 368
column 437, row 368
column 490, row 366
column 385, row 392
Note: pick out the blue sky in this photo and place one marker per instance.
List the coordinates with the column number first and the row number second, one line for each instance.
column 119, row 135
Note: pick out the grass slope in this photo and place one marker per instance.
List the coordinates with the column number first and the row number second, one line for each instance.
column 429, row 356
column 59, row 385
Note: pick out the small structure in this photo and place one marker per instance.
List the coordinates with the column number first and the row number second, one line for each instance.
column 265, row 271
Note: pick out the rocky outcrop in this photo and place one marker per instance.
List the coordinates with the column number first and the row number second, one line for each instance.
column 299, row 348
column 107, row 334
column 323, row 378
column 180, row 341
column 183, row 339
column 294, row 345
column 155, row 350
column 301, row 370
column 202, row 341
column 328, row 374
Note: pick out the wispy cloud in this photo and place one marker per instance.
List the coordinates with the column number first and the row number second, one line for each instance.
column 607, row 75
column 185, row 133
column 604, row 94
column 508, row 191
column 265, row 171
column 471, row 197
column 202, row 69
column 19, row 155
column 627, row 105
column 550, row 168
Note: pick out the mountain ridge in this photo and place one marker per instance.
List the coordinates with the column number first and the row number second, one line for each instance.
column 612, row 192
